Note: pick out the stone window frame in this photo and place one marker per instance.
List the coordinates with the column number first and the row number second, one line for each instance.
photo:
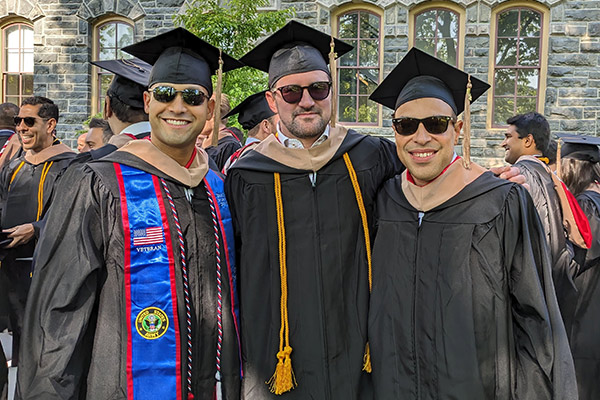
column 335, row 15
column 441, row 5
column 96, row 72
column 4, row 24
column 545, row 38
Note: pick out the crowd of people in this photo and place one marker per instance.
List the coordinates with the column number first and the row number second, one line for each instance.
column 166, row 260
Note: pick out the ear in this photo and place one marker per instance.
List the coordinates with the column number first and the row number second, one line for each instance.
column 210, row 108
column 106, row 112
column 51, row 126
column 529, row 141
column 147, row 98
column 271, row 100
column 457, row 128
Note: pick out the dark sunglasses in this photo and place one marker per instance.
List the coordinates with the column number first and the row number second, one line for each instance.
column 435, row 125
column 29, row 121
column 293, row 93
column 166, row 94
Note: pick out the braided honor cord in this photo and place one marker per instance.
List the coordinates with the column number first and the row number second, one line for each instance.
column 186, row 290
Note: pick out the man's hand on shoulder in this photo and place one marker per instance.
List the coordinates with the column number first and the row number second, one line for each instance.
column 511, row 174
column 19, row 234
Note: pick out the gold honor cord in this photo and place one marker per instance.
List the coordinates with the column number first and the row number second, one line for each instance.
column 333, row 69
column 363, row 216
column 217, row 112
column 467, row 126
column 283, row 380
column 14, row 175
column 45, row 171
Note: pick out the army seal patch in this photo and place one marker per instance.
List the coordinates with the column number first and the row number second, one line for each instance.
column 151, row 323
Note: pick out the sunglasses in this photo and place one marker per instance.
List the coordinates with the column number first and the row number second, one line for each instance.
column 292, row 94
column 166, row 94
column 435, row 125
column 29, row 121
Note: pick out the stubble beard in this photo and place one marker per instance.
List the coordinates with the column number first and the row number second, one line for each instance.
column 313, row 130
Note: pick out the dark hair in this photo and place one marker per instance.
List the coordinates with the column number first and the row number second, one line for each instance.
column 550, row 152
column 107, row 133
column 252, row 132
column 125, row 112
column 533, row 124
column 47, row 107
column 579, row 174
column 8, row 111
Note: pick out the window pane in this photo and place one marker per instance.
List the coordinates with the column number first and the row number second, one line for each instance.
column 505, row 82
column 107, row 54
column 347, row 108
column 529, row 52
column 349, row 26
column 349, row 59
column 508, row 23
column 527, row 82
column 13, row 99
column 105, row 80
column 367, row 110
column 507, row 52
column 531, row 22
column 12, row 37
column 447, row 24
column 125, row 35
column 504, row 108
column 347, row 81
column 12, row 60
column 367, row 80
column 369, row 25
column 446, row 50
column 11, row 84
column 369, row 53
column 107, row 35
column 27, row 82
column 526, row 104
column 27, row 37
column 27, row 61
column 427, row 45
column 425, row 24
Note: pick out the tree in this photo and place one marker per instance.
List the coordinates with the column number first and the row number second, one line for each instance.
column 234, row 26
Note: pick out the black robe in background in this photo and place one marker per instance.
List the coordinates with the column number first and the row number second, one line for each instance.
column 76, row 311
column 328, row 291
column 463, row 305
column 224, row 149
column 585, row 333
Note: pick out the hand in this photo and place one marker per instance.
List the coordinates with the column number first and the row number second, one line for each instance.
column 511, row 174
column 19, row 234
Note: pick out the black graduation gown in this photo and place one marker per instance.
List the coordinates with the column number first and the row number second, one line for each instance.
column 547, row 204
column 585, row 333
column 76, row 311
column 328, row 290
column 224, row 149
column 463, row 305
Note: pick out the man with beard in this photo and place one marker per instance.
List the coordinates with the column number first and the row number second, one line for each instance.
column 463, row 305
column 302, row 202
column 133, row 295
column 27, row 187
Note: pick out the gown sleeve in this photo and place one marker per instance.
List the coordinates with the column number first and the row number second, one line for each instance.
column 544, row 367
column 592, row 256
column 58, row 326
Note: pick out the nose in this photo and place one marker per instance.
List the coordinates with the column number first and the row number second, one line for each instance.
column 177, row 105
column 306, row 101
column 421, row 135
column 503, row 144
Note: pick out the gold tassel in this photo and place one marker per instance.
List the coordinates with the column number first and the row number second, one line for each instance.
column 558, row 158
column 367, row 359
column 333, row 69
column 283, row 380
column 217, row 113
column 466, row 145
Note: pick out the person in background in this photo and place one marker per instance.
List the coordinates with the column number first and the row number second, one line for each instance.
column 81, row 146
column 10, row 143
column 228, row 142
column 580, row 171
column 550, row 154
column 99, row 133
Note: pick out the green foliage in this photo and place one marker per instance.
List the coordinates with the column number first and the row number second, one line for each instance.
column 234, row 26
column 86, row 125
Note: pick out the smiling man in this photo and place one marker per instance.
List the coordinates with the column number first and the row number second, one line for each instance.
column 463, row 305
column 134, row 283
column 27, row 186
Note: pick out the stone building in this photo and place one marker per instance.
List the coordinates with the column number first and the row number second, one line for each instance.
column 538, row 55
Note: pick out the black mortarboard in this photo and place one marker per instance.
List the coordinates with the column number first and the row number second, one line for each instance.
column 293, row 49
column 179, row 56
column 130, row 81
column 419, row 75
column 252, row 110
column 580, row 147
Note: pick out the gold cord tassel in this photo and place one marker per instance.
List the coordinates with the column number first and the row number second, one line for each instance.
column 333, row 69
column 365, row 223
column 283, row 380
column 558, row 158
column 217, row 113
column 466, row 145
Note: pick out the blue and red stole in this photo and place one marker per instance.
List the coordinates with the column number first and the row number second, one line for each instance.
column 154, row 339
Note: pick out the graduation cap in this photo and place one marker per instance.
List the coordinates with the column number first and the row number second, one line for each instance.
column 580, row 147
column 420, row 75
column 293, row 49
column 252, row 110
column 130, row 81
column 179, row 56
